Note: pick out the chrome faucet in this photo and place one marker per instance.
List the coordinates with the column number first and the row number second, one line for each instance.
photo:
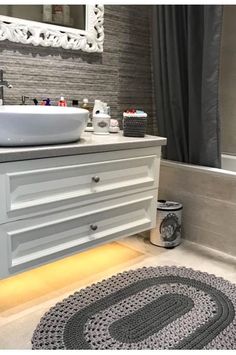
column 2, row 84
column 23, row 99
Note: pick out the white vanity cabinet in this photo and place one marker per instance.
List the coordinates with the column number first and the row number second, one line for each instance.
column 54, row 207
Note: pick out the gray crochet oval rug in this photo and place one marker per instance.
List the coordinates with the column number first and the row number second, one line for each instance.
column 148, row 308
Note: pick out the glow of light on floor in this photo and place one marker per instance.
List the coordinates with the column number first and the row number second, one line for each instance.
column 41, row 282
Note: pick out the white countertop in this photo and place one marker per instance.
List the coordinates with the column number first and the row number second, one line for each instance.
column 89, row 143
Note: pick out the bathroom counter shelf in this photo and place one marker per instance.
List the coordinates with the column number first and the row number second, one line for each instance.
column 60, row 200
column 89, row 143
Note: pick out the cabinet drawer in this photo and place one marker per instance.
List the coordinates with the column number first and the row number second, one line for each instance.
column 31, row 191
column 35, row 241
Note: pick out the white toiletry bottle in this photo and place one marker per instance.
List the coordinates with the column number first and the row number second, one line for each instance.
column 66, row 15
column 98, row 107
column 47, row 13
column 105, row 107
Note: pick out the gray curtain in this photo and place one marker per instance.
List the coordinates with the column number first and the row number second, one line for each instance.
column 186, row 50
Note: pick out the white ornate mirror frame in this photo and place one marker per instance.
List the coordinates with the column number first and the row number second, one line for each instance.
column 46, row 35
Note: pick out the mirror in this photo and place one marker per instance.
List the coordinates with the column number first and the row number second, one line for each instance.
column 66, row 26
column 61, row 15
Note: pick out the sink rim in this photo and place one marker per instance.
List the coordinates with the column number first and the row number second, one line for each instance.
column 28, row 125
column 40, row 110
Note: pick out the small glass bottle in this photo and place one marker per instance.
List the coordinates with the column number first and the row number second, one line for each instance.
column 75, row 103
column 62, row 102
column 88, row 107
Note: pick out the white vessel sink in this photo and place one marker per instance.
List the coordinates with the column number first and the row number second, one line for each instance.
column 38, row 125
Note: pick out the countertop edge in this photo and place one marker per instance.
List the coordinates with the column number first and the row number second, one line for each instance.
column 10, row 154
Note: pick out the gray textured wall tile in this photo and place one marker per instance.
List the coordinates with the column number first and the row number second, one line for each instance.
column 120, row 76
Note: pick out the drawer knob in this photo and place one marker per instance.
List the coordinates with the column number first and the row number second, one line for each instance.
column 93, row 227
column 96, row 178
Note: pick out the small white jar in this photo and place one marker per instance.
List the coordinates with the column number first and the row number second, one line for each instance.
column 101, row 123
